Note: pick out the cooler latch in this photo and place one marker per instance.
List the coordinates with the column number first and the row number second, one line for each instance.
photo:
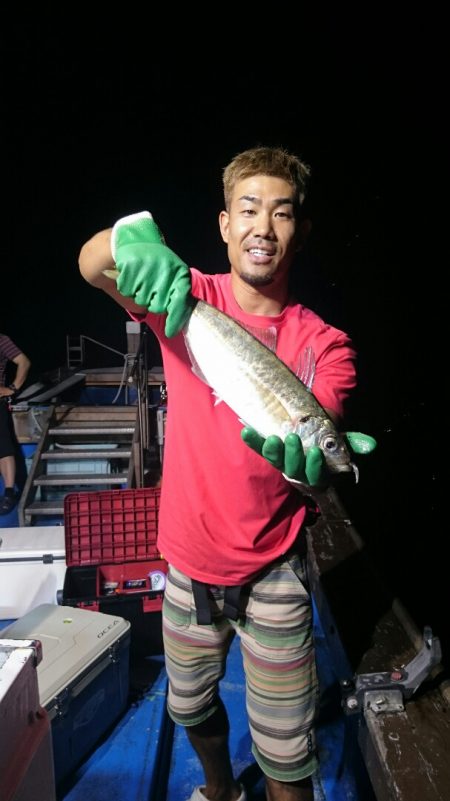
column 114, row 653
column 62, row 701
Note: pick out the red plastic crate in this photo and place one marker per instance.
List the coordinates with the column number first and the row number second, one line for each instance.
column 111, row 526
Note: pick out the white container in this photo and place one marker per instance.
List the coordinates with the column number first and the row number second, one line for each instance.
column 26, row 753
column 32, row 568
column 83, row 676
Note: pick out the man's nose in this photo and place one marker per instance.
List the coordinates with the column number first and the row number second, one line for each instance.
column 263, row 225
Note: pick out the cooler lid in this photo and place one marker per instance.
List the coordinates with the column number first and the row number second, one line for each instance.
column 72, row 639
column 32, row 543
column 111, row 526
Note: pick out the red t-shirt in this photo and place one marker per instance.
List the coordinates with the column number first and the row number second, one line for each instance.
column 225, row 512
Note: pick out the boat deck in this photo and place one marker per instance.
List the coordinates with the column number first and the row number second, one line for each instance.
column 360, row 628
column 147, row 758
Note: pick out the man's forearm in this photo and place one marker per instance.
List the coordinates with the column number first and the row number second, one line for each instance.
column 96, row 257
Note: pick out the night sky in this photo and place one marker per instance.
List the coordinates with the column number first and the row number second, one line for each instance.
column 136, row 119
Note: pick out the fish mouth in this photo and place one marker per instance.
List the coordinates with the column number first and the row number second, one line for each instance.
column 348, row 467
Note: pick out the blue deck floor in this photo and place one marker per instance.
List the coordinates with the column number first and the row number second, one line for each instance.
column 146, row 758
column 341, row 777
column 126, row 765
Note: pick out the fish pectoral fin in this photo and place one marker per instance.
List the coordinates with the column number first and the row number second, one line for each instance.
column 360, row 443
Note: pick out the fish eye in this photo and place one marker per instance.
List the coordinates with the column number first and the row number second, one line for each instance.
column 329, row 443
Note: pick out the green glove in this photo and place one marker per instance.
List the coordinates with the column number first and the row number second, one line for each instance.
column 149, row 272
column 289, row 457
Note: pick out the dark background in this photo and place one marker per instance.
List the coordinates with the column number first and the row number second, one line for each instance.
column 146, row 116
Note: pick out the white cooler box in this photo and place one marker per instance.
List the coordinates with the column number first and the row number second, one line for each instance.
column 32, row 568
column 83, row 677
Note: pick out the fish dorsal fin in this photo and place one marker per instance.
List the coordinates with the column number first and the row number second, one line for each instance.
column 306, row 369
column 267, row 335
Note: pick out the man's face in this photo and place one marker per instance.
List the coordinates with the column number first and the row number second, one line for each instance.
column 260, row 229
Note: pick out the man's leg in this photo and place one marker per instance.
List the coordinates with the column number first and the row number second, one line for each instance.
column 281, row 681
column 210, row 741
column 295, row 791
column 195, row 658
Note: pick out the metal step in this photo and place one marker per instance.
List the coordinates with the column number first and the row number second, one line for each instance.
column 79, row 439
column 66, row 454
column 46, row 508
column 68, row 415
column 63, row 431
column 63, row 479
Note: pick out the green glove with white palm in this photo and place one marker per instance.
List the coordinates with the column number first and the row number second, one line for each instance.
column 289, row 457
column 149, row 272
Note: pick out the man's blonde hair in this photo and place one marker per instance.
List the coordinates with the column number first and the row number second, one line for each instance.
column 260, row 160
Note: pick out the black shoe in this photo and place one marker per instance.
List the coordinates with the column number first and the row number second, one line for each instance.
column 7, row 503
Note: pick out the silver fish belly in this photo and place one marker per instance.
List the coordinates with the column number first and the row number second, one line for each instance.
column 262, row 391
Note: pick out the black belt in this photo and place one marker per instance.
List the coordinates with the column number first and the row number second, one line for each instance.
column 203, row 609
column 232, row 594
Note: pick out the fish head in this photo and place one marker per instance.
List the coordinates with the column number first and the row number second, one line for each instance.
column 336, row 452
column 335, row 449
column 323, row 433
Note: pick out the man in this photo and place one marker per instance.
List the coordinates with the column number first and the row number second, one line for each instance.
column 9, row 352
column 231, row 522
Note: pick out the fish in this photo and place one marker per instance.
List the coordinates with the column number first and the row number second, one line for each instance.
column 260, row 388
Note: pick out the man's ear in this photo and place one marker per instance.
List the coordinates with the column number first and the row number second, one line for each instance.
column 224, row 222
column 304, row 230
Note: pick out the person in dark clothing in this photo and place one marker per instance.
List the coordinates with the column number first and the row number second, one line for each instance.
column 9, row 352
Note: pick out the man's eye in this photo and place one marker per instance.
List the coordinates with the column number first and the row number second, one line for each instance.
column 248, row 212
column 285, row 214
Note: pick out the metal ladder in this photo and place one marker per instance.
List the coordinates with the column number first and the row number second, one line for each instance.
column 74, row 351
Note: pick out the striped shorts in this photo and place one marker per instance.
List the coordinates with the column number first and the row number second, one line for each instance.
column 276, row 640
